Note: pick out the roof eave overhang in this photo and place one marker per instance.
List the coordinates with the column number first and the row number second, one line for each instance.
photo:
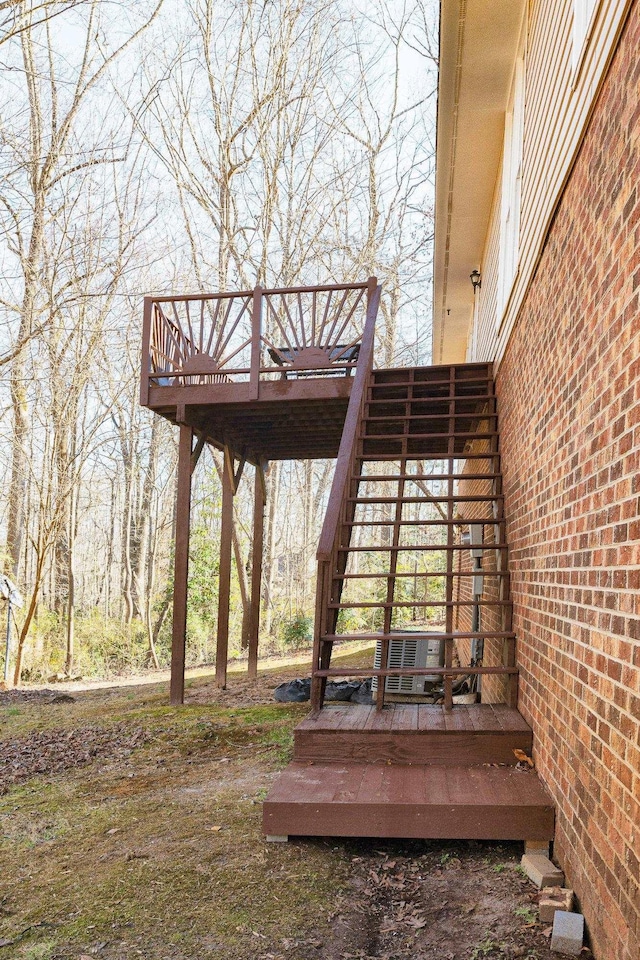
column 478, row 47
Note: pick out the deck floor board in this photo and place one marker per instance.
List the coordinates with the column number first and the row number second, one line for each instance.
column 423, row 717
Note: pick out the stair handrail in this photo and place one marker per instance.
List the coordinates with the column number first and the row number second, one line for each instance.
column 328, row 545
column 350, row 432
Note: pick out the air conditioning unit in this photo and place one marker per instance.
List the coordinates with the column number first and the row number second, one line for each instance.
column 404, row 651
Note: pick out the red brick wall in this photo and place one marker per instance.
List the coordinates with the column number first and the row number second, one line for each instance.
column 569, row 400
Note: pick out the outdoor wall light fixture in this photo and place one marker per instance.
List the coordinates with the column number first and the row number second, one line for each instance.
column 476, row 279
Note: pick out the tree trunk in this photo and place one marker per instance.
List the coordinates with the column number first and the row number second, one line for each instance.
column 71, row 581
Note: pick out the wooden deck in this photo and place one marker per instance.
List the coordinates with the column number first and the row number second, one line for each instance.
column 264, row 373
column 291, row 419
column 410, row 771
column 261, row 375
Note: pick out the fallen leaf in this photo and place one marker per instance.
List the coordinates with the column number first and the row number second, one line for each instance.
column 523, row 757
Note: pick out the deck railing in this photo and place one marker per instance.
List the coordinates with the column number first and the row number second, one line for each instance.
column 253, row 335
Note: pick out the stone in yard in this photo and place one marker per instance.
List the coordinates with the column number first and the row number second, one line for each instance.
column 553, row 899
column 541, row 848
column 466, row 698
column 541, row 870
column 568, row 933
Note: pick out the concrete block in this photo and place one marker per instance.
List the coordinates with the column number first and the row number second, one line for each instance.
column 553, row 899
column 276, row 838
column 568, row 933
column 541, row 848
column 541, row 870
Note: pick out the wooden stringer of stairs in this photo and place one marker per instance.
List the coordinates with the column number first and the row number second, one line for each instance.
column 414, row 545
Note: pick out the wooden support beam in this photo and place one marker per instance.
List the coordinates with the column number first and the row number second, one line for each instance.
column 237, row 476
column 320, row 648
column 224, row 578
column 181, row 565
column 256, row 569
column 197, row 450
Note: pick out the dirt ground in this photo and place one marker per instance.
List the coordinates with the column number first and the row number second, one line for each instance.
column 132, row 829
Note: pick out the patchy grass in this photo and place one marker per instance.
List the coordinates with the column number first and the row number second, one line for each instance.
column 158, row 849
column 140, row 836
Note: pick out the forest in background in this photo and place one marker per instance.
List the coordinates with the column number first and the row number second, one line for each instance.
column 184, row 146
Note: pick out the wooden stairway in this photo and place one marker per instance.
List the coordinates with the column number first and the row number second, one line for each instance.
column 423, row 474
column 414, row 546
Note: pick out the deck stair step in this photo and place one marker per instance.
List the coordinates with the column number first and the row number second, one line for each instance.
column 414, row 734
column 394, row 800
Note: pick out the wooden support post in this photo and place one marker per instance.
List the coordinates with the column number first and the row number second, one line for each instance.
column 256, row 342
column 256, row 569
column 318, row 684
column 181, row 565
column 224, row 579
column 146, row 345
column 393, row 557
column 448, row 644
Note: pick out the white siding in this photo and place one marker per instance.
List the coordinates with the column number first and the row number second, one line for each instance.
column 560, row 88
column 488, row 305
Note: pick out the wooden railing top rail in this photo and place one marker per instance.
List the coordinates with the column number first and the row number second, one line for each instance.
column 350, row 431
column 184, row 297
column 266, row 291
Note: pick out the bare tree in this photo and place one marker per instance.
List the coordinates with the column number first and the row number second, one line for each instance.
column 288, row 147
column 48, row 154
